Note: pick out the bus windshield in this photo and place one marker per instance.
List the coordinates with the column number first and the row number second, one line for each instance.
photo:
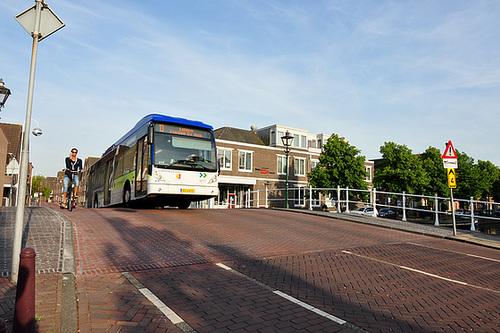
column 175, row 151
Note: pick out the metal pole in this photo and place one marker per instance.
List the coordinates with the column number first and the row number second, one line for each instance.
column 347, row 199
column 472, row 219
column 436, row 209
column 453, row 213
column 23, row 169
column 472, row 226
column 267, row 206
column 286, row 185
column 310, row 198
column 404, row 207
column 339, row 210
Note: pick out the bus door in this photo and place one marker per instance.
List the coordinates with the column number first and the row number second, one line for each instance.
column 142, row 167
column 108, row 182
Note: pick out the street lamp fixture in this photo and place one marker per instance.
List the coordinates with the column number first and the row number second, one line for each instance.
column 37, row 131
column 4, row 94
column 287, row 142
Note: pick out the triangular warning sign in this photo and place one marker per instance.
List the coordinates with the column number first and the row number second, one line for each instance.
column 449, row 152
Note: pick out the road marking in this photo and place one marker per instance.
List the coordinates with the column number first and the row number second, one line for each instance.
column 168, row 312
column 421, row 272
column 296, row 301
column 465, row 254
column 311, row 308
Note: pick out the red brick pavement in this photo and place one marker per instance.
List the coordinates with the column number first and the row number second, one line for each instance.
column 173, row 253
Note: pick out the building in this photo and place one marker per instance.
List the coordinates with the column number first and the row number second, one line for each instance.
column 255, row 160
column 10, row 152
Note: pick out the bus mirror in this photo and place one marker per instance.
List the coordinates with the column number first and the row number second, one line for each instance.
column 150, row 134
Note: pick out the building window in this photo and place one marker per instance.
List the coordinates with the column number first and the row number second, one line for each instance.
column 278, row 139
column 225, row 158
column 303, row 141
column 281, row 164
column 368, row 174
column 314, row 163
column 245, row 161
column 311, row 143
column 296, row 141
column 300, row 167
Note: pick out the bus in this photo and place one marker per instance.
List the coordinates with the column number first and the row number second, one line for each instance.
column 162, row 161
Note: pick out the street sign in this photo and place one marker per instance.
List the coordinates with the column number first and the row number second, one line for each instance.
column 49, row 21
column 450, row 158
column 452, row 180
column 450, row 163
column 449, row 152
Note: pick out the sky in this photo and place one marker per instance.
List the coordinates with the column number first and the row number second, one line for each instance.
column 417, row 73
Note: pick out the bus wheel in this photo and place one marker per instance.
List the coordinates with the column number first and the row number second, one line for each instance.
column 184, row 204
column 126, row 196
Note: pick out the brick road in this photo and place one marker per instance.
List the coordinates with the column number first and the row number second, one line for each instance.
column 374, row 279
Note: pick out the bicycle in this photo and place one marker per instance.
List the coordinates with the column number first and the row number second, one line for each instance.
column 70, row 196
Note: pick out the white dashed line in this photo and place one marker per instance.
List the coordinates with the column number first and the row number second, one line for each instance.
column 168, row 312
column 296, row 301
column 421, row 272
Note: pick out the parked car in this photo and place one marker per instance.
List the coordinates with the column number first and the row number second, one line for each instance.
column 363, row 210
column 387, row 213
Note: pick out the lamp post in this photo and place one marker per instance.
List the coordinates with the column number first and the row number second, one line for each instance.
column 40, row 22
column 287, row 142
column 4, row 94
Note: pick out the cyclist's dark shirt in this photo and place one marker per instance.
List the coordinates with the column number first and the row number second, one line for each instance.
column 73, row 166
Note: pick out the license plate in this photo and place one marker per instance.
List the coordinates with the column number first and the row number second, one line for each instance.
column 187, row 190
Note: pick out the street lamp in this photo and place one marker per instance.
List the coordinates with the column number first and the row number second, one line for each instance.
column 4, row 94
column 287, row 142
column 40, row 22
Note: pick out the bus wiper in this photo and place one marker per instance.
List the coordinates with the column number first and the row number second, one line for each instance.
column 190, row 163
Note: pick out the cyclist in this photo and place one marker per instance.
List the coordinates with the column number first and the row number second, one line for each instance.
column 72, row 164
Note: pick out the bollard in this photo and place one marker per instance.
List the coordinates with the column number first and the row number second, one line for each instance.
column 3, row 327
column 24, row 313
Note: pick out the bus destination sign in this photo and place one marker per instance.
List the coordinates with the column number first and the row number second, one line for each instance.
column 182, row 130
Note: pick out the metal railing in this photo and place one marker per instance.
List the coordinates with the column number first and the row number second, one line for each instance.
column 419, row 208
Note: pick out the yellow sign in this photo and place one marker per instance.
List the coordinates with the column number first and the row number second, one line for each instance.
column 452, row 180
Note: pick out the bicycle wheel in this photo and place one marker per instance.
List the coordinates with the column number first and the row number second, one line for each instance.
column 70, row 198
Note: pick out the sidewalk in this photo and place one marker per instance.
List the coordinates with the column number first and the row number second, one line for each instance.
column 112, row 299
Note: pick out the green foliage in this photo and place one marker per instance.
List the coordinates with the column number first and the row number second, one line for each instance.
column 487, row 174
column 38, row 187
column 466, row 177
column 339, row 165
column 404, row 171
column 433, row 165
column 401, row 170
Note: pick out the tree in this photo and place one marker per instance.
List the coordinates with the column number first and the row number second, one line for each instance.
column 401, row 170
column 38, row 187
column 339, row 165
column 467, row 177
column 496, row 190
column 433, row 165
column 487, row 174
